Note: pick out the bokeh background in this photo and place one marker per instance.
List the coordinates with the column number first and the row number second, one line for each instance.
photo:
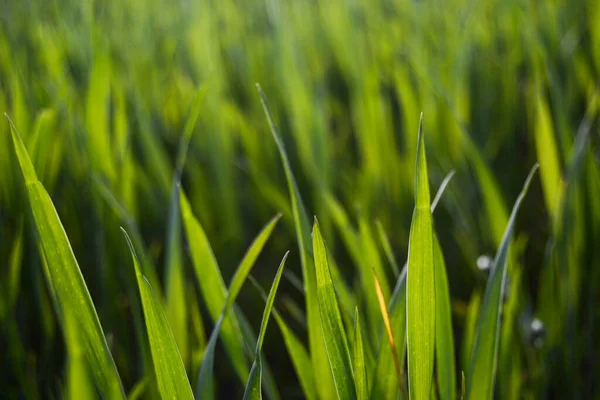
column 101, row 92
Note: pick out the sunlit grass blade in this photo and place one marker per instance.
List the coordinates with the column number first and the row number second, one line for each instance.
column 420, row 305
column 218, row 300
column 547, row 153
column 253, row 387
column 295, row 349
column 480, row 383
column 65, row 279
column 318, row 352
column 168, row 366
column 360, row 369
column 388, row 325
column 444, row 342
column 331, row 321
column 386, row 382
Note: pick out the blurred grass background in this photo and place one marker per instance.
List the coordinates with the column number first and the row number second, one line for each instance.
column 101, row 92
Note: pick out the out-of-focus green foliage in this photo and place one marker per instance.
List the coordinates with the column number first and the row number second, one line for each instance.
column 120, row 102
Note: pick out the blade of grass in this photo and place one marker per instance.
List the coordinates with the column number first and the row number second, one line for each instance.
column 175, row 306
column 360, row 371
column 485, row 348
column 295, row 349
column 386, row 380
column 547, row 153
column 318, row 352
column 331, row 321
column 444, row 343
column 388, row 326
column 65, row 279
column 218, row 300
column 168, row 364
column 420, row 305
column 253, row 387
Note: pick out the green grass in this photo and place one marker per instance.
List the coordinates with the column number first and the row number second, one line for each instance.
column 146, row 115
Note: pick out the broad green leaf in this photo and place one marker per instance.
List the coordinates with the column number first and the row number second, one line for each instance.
column 168, row 366
column 217, row 299
column 253, row 387
column 360, row 370
column 331, row 321
column 547, row 153
column 444, row 343
column 485, row 349
column 295, row 349
column 65, row 279
column 318, row 352
column 420, row 304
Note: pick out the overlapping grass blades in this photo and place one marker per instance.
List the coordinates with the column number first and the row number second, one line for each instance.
column 318, row 353
column 65, row 280
column 253, row 387
column 168, row 365
column 480, row 380
column 218, row 299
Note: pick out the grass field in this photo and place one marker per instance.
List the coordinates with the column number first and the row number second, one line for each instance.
column 407, row 190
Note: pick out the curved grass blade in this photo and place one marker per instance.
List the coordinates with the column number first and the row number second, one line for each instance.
column 175, row 302
column 444, row 344
column 485, row 348
column 420, row 304
column 318, row 352
column 65, row 279
column 253, row 388
column 331, row 321
column 360, row 371
column 218, row 300
column 296, row 350
column 168, row 365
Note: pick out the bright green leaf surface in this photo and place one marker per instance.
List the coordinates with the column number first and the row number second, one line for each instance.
column 420, row 305
column 168, row 365
column 331, row 321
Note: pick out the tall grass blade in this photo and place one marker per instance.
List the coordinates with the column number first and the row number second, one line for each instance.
column 253, row 387
column 420, row 304
column 485, row 349
column 168, row 366
column 331, row 321
column 65, row 279
column 218, row 300
column 175, row 306
column 318, row 352
column 387, row 382
column 295, row 349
